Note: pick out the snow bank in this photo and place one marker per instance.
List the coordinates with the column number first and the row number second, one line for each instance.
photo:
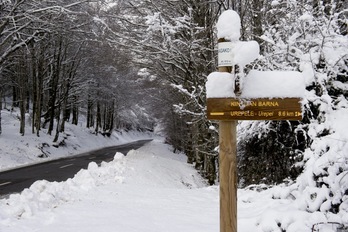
column 44, row 196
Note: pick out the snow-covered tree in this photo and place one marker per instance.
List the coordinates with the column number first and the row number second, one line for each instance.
column 27, row 27
column 308, row 37
column 174, row 42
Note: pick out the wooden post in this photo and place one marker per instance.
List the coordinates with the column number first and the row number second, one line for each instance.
column 229, row 110
column 228, row 170
column 228, row 176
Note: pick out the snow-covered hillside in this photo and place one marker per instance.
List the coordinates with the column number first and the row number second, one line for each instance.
column 19, row 150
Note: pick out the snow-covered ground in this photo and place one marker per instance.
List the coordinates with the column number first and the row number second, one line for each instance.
column 151, row 189
column 16, row 150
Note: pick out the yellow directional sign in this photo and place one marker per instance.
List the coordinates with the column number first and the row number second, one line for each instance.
column 254, row 109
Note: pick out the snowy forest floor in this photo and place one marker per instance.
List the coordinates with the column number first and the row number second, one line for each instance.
column 151, row 189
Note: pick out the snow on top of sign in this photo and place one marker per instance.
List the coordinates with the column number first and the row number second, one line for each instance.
column 228, row 25
column 272, row 84
column 246, row 52
column 220, row 85
column 258, row 84
column 239, row 52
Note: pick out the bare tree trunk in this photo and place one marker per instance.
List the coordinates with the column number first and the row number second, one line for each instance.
column 89, row 112
column 98, row 119
column 0, row 109
column 196, row 143
column 111, row 116
column 34, row 87
column 22, row 113
column 37, row 59
column 22, row 79
column 105, row 117
column 15, row 102
column 39, row 89
column 65, row 103
column 75, row 111
column 71, row 73
column 257, row 16
column 54, row 86
column 57, row 127
column 64, row 112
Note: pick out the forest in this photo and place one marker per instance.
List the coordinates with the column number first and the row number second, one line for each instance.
column 134, row 64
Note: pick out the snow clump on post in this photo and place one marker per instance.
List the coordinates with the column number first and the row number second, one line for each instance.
column 229, row 25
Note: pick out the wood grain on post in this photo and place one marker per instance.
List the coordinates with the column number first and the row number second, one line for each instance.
column 228, row 170
column 228, row 176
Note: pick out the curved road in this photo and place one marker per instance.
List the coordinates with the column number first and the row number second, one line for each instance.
column 13, row 181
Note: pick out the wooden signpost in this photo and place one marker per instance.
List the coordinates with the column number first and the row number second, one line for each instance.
column 228, row 111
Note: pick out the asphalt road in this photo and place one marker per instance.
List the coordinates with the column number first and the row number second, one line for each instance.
column 15, row 180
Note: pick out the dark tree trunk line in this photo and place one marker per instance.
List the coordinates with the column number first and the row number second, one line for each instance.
column 53, row 85
column 75, row 110
column 0, row 109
